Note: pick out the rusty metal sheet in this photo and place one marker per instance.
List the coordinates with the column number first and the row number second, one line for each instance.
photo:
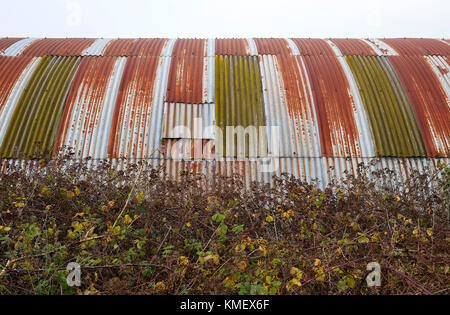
column 97, row 48
column 18, row 47
column 312, row 47
column 428, row 100
column 273, row 46
column 58, row 47
column 441, row 69
column 187, row 71
column 392, row 121
column 232, row 46
column 7, row 42
column 353, row 46
column 418, row 46
column 89, row 107
column 289, row 105
column 131, row 123
column 334, row 106
column 14, row 75
column 135, row 47
column 380, row 48
column 43, row 100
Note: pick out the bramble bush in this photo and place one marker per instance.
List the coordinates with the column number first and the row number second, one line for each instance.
column 137, row 232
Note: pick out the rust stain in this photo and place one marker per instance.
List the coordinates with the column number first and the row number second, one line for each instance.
column 185, row 83
column 273, row 46
column 231, row 46
column 85, row 98
column 135, row 47
column 428, row 100
column 129, row 127
column 10, row 70
column 6, row 42
column 353, row 46
column 418, row 46
column 58, row 47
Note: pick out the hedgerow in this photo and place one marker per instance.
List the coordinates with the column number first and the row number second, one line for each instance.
column 138, row 232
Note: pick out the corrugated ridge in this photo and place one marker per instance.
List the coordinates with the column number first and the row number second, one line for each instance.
column 239, row 101
column 58, row 47
column 43, row 100
column 131, row 122
column 18, row 47
column 428, row 101
column 130, row 47
column 393, row 124
column 7, row 41
column 353, row 46
column 85, row 107
column 273, row 46
column 418, row 46
column 231, row 46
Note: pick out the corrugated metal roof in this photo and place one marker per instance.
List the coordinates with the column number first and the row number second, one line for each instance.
column 337, row 102
column 42, row 99
column 418, row 46
column 393, row 124
column 58, row 47
column 89, row 107
column 6, row 42
column 429, row 102
column 353, row 46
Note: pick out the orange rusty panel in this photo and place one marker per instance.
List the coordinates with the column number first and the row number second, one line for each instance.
column 190, row 47
column 334, row 107
column 85, row 101
column 273, row 46
column 58, row 47
column 418, row 46
column 10, row 70
column 185, row 83
column 232, row 46
column 428, row 100
column 313, row 47
column 353, row 46
column 135, row 47
column 6, row 42
column 130, row 127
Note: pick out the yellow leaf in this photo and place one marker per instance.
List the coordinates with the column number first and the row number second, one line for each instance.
column 269, row 218
column 127, row 219
column 188, row 224
column 294, row 271
column 317, row 262
column 48, row 207
column 430, row 232
column 416, row 231
column 19, row 205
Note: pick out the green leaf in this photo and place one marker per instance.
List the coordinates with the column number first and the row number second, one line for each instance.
column 223, row 229
column 238, row 228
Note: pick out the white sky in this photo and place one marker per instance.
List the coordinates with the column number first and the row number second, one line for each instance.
column 225, row 18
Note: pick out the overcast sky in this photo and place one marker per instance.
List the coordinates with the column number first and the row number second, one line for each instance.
column 225, row 18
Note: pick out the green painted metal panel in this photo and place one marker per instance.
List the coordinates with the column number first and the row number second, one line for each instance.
column 239, row 102
column 394, row 127
column 34, row 124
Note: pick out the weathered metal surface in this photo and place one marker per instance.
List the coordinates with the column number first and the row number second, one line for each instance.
column 14, row 74
column 441, row 68
column 132, row 119
column 392, row 121
column 7, row 42
column 97, row 48
column 353, row 46
column 34, row 124
column 58, row 47
column 88, row 112
column 418, row 46
column 232, row 47
column 428, row 100
column 18, row 47
column 335, row 107
column 187, row 71
column 273, row 46
column 379, row 47
column 239, row 102
column 289, row 105
column 135, row 47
